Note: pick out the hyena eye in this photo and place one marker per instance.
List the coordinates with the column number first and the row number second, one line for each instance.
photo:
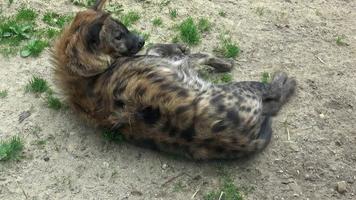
column 118, row 37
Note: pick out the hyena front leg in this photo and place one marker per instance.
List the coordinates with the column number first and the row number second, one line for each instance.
column 219, row 64
column 178, row 52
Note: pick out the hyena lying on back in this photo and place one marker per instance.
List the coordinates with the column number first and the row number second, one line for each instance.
column 158, row 100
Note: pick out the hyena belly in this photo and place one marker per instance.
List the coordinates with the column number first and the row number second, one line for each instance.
column 172, row 110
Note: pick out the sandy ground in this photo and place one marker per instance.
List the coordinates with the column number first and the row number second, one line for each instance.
column 314, row 144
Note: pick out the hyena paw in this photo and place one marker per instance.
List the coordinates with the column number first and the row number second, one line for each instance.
column 221, row 65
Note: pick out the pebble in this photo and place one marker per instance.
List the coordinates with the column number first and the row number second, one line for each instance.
column 46, row 159
column 164, row 166
column 341, row 187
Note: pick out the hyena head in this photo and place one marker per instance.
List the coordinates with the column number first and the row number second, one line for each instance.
column 92, row 40
column 103, row 33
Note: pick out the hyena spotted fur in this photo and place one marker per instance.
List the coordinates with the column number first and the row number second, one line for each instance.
column 157, row 100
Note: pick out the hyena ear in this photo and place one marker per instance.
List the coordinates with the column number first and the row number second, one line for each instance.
column 99, row 4
column 92, row 38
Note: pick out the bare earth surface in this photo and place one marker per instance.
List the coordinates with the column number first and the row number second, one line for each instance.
column 314, row 144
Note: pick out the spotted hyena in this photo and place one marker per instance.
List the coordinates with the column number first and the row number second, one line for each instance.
column 158, row 100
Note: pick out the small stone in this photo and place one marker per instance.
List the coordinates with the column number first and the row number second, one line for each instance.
column 341, row 187
column 322, row 116
column 164, row 166
column 46, row 159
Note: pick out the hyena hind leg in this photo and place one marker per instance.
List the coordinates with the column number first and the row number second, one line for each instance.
column 282, row 88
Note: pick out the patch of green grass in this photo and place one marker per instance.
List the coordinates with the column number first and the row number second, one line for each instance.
column 114, row 8
column 85, row 3
column 173, row 13
column 204, row 25
column 113, row 136
column 189, row 32
column 228, row 48
column 145, row 36
column 216, row 78
column 157, row 21
column 175, row 39
column 226, row 78
column 11, row 149
column 26, row 14
column 164, row 3
column 178, row 187
column 3, row 94
column 41, row 142
column 55, row 19
column 37, row 85
column 228, row 191
column 33, row 48
column 51, row 33
column 130, row 18
column 340, row 41
column 13, row 32
column 266, row 78
column 260, row 11
column 53, row 102
column 222, row 13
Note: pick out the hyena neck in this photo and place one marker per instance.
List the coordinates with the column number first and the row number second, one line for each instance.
column 77, row 77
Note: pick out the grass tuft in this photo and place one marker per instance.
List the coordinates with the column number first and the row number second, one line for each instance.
column 173, row 13
column 85, row 3
column 26, row 14
column 10, row 149
column 228, row 191
column 340, row 41
column 204, row 25
column 157, row 21
column 228, row 48
column 53, row 102
column 33, row 48
column 189, row 32
column 37, row 85
column 3, row 94
column 130, row 18
column 113, row 136
column 222, row 13
column 55, row 19
column 266, row 78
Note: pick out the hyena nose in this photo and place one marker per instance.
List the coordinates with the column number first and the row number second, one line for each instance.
column 141, row 42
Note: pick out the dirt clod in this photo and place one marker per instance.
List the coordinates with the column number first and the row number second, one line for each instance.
column 341, row 187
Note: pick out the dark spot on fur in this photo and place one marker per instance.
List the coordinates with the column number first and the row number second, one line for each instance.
column 119, row 104
column 248, row 109
column 182, row 109
column 188, row 133
column 221, row 108
column 182, row 93
column 219, row 149
column 140, row 90
column 217, row 99
column 149, row 115
column 173, row 131
column 166, row 126
column 242, row 108
column 255, row 112
column 233, row 115
column 218, row 127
